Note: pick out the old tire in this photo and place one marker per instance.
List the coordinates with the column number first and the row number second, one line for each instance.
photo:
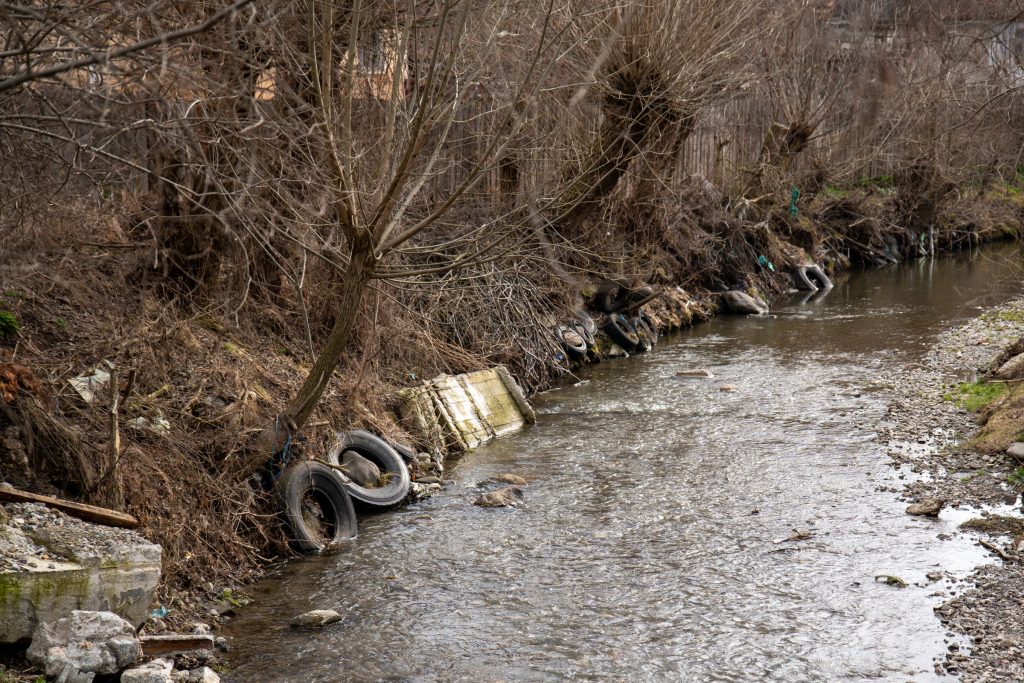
column 316, row 506
column 643, row 334
column 811, row 278
column 619, row 329
column 651, row 326
column 579, row 328
column 818, row 276
column 587, row 321
column 373, row 448
column 638, row 297
column 576, row 350
column 612, row 295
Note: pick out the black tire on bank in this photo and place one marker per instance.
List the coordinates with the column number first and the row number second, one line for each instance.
column 316, row 506
column 638, row 297
column 391, row 465
column 619, row 329
column 612, row 294
column 651, row 326
column 407, row 452
column 643, row 334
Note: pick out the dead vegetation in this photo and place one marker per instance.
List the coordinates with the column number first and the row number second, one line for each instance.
column 224, row 219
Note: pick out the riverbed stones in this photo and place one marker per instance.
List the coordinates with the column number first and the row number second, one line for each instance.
column 986, row 607
column 929, row 507
column 90, row 642
column 736, row 301
column 156, row 671
column 203, row 674
column 506, row 478
column 361, row 470
column 317, row 618
column 1016, row 451
column 510, row 496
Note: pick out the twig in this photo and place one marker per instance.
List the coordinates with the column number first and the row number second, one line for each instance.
column 344, row 470
column 1005, row 556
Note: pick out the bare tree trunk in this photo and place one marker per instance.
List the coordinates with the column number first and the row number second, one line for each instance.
column 350, row 295
column 295, row 415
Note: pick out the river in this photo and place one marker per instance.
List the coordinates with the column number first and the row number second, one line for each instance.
column 652, row 545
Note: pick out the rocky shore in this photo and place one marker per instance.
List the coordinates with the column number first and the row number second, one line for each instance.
column 932, row 431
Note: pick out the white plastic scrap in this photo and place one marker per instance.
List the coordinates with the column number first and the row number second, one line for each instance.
column 88, row 386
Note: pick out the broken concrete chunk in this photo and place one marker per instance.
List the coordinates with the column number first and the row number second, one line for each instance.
column 91, row 642
column 929, row 507
column 156, row 671
column 56, row 564
column 203, row 675
column 175, row 643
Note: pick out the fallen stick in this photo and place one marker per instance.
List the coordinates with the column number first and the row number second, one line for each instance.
column 343, row 470
column 89, row 513
column 1006, row 557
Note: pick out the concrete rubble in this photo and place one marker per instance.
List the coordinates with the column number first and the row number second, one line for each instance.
column 52, row 564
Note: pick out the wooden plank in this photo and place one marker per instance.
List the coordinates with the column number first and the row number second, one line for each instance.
column 89, row 513
column 172, row 643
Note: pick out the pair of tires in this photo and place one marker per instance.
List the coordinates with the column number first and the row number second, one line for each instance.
column 317, row 499
column 634, row 335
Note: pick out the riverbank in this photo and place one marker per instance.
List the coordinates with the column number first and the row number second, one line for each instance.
column 939, row 429
column 199, row 382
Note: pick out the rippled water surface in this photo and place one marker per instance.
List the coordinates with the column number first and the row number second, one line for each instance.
column 650, row 547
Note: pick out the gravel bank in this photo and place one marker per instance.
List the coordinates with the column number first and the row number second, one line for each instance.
column 926, row 433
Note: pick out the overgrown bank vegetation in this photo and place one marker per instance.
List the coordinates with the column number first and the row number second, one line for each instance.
column 230, row 202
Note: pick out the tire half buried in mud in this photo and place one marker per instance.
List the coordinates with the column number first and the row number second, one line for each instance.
column 316, row 507
column 395, row 474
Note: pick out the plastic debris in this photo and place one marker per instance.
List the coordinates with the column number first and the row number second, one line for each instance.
column 88, row 386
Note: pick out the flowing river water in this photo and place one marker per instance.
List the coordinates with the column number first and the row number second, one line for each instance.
column 651, row 547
